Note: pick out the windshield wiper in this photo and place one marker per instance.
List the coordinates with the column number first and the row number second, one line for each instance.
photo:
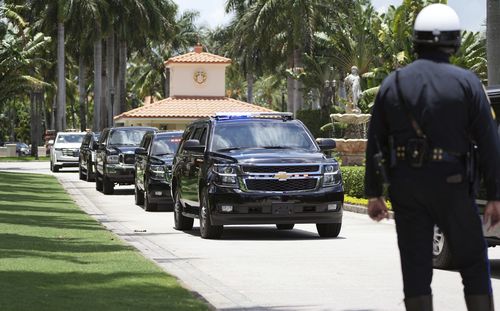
column 231, row 149
column 162, row 154
column 276, row 147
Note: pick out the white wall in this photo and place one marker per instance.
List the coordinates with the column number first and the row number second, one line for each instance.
column 182, row 81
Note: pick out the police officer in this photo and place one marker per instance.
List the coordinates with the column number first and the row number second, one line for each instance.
column 424, row 119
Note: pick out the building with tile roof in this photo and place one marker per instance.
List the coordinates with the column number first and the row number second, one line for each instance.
column 197, row 90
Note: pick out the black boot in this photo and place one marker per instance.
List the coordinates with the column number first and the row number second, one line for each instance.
column 419, row 303
column 479, row 302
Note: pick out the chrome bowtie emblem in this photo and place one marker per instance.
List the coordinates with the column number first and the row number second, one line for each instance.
column 281, row 176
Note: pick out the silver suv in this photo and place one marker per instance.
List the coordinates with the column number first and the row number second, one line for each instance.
column 65, row 151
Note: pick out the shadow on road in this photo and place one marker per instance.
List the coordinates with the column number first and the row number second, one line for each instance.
column 263, row 233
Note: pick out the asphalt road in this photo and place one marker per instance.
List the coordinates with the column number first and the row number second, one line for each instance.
column 260, row 268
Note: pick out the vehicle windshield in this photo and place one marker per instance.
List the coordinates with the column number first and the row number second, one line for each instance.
column 261, row 134
column 164, row 145
column 126, row 137
column 70, row 139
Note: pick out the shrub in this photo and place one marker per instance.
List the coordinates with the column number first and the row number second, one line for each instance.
column 354, row 180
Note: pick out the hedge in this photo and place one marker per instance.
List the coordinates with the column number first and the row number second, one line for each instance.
column 354, row 180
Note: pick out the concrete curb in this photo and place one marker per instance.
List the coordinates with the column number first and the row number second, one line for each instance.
column 360, row 209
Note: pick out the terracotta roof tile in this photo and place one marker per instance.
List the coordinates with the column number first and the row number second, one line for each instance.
column 190, row 107
column 194, row 57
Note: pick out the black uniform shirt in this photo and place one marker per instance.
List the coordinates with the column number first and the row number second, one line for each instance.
column 450, row 105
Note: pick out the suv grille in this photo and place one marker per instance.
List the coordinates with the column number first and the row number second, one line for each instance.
column 71, row 152
column 277, row 185
column 129, row 158
column 284, row 168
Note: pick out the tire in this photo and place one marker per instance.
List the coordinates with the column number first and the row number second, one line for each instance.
column 90, row 173
column 285, row 226
column 441, row 253
column 138, row 196
column 207, row 230
column 108, row 187
column 80, row 172
column 181, row 222
column 51, row 166
column 148, row 206
column 329, row 230
column 98, row 182
column 55, row 168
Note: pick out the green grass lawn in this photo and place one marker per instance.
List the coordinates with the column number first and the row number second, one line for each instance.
column 55, row 257
column 24, row 159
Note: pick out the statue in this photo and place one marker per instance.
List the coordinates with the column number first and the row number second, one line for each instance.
column 353, row 90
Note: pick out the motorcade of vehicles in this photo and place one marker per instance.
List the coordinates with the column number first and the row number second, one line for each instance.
column 115, row 156
column 86, row 159
column 65, row 150
column 255, row 168
column 153, row 169
column 442, row 256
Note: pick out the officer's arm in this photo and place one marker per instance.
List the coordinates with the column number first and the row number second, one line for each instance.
column 484, row 132
column 377, row 139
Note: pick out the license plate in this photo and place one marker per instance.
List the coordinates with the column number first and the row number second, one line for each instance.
column 282, row 209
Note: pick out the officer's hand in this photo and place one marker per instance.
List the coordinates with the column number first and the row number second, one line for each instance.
column 492, row 214
column 377, row 210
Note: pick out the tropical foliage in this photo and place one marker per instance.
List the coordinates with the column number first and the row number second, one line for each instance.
column 78, row 63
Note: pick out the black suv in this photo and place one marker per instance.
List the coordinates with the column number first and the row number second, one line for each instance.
column 115, row 156
column 153, row 168
column 86, row 159
column 255, row 169
column 441, row 251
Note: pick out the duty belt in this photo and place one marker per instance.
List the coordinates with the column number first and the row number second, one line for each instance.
column 433, row 154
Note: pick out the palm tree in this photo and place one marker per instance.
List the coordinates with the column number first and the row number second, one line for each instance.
column 493, row 40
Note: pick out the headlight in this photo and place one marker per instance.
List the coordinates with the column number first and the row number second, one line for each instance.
column 157, row 171
column 112, row 159
column 226, row 175
column 331, row 175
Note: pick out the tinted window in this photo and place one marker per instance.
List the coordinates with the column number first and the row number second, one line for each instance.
column 164, row 145
column 70, row 138
column 261, row 134
column 126, row 137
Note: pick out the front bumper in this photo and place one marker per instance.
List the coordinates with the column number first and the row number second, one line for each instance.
column 159, row 192
column 120, row 173
column 319, row 206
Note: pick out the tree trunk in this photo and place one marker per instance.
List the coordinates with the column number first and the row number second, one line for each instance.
column 298, row 85
column 110, row 75
column 104, row 86
column 61, row 82
column 33, row 122
column 493, row 41
column 122, row 72
column 97, row 84
column 82, row 94
column 250, row 87
column 289, row 85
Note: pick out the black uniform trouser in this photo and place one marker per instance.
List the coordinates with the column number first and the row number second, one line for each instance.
column 422, row 198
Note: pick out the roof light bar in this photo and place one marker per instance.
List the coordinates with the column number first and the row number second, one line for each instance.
column 241, row 115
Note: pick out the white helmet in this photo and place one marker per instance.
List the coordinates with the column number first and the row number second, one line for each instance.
column 437, row 25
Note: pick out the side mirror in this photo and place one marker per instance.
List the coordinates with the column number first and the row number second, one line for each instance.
column 194, row 145
column 141, row 151
column 326, row 144
column 51, row 142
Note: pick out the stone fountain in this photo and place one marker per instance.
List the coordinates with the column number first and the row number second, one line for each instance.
column 352, row 146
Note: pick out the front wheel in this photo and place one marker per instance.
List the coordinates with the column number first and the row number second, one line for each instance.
column 148, row 206
column 207, row 230
column 80, row 172
column 181, row 222
column 441, row 253
column 139, row 196
column 329, row 230
column 90, row 173
column 108, row 187
column 98, row 182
